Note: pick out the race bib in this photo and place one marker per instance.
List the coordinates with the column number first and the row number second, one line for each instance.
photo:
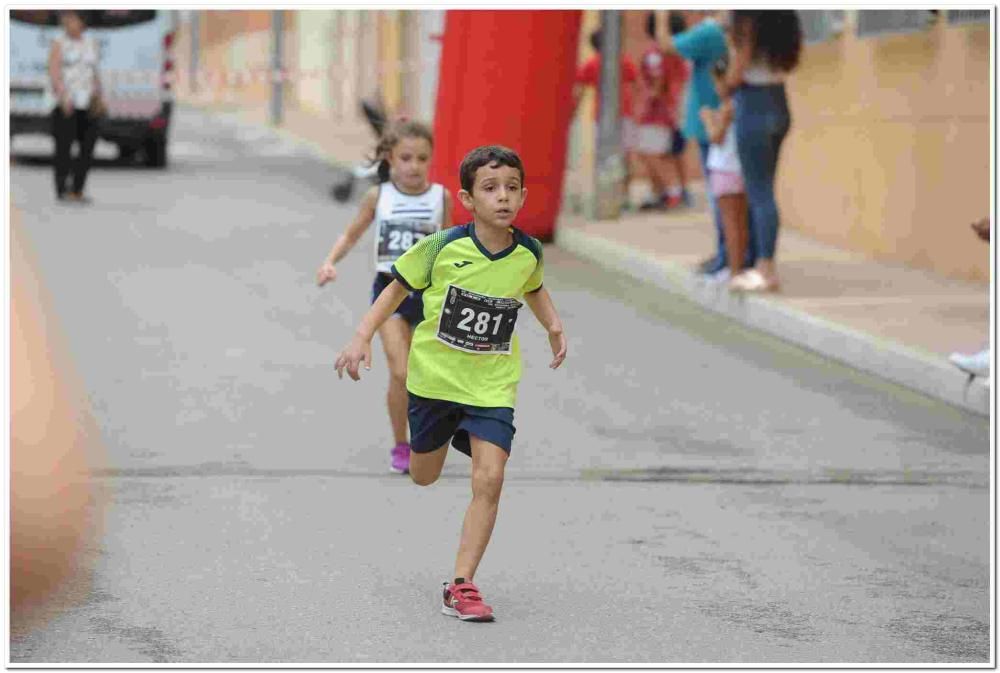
column 398, row 236
column 477, row 323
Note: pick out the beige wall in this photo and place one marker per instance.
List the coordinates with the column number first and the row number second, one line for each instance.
column 317, row 48
column 889, row 152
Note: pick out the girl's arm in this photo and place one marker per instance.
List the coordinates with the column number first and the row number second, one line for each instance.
column 347, row 240
column 717, row 121
column 740, row 54
column 360, row 348
column 98, row 88
column 713, row 124
column 541, row 305
column 55, row 73
column 664, row 39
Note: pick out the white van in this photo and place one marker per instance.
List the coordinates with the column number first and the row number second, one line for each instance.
column 135, row 68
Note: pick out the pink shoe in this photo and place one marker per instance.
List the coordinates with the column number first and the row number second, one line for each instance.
column 400, row 458
column 463, row 601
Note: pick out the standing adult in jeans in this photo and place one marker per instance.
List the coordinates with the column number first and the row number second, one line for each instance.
column 766, row 45
column 76, row 88
column 703, row 44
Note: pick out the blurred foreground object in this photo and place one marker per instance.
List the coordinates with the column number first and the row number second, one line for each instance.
column 51, row 490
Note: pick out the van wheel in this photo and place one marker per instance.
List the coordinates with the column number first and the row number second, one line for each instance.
column 126, row 153
column 156, row 152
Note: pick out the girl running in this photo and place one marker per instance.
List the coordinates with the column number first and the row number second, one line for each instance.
column 404, row 208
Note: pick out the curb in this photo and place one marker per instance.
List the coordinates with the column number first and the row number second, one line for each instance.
column 913, row 368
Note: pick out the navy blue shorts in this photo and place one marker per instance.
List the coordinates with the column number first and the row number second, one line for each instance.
column 434, row 422
column 412, row 308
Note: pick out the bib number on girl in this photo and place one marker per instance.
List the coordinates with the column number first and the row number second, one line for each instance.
column 477, row 323
column 398, row 236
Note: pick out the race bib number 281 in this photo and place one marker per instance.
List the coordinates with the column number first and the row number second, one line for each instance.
column 477, row 323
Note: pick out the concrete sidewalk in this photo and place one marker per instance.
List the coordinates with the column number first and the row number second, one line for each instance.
column 895, row 322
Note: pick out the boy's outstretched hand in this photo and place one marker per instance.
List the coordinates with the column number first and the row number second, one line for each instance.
column 557, row 341
column 357, row 351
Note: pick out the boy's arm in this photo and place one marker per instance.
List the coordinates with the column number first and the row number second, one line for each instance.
column 541, row 305
column 347, row 240
column 360, row 348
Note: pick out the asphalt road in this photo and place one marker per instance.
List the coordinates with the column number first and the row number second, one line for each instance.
column 683, row 490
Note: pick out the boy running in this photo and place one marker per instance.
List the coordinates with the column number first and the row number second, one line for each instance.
column 465, row 360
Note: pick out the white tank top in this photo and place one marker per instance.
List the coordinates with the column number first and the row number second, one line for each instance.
column 724, row 157
column 403, row 219
column 79, row 69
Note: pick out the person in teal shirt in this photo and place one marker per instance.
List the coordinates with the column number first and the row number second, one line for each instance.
column 703, row 43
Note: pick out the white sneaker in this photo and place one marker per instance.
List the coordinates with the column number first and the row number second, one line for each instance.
column 752, row 280
column 720, row 277
column 977, row 364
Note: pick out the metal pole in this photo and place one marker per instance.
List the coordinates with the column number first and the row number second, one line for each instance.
column 195, row 26
column 610, row 170
column 277, row 47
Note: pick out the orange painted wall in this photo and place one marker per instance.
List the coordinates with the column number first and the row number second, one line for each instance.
column 889, row 152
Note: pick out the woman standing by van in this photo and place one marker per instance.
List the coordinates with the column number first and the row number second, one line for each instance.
column 76, row 87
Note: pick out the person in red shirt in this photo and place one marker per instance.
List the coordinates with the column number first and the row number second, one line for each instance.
column 589, row 74
column 660, row 142
column 657, row 122
column 677, row 72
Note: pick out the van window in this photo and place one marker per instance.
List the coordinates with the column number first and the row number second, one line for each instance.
column 94, row 18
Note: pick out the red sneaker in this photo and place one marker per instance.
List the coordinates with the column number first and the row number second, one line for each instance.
column 464, row 601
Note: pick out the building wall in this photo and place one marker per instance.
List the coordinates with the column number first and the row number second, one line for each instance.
column 889, row 152
column 233, row 42
column 317, row 52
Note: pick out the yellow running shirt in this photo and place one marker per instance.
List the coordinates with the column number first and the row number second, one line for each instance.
column 465, row 349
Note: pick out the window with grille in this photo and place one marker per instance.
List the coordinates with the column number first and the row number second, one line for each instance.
column 959, row 16
column 819, row 25
column 873, row 22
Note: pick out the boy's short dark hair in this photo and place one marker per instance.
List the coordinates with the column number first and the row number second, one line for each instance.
column 487, row 155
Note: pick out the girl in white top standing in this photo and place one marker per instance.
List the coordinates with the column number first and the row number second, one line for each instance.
column 75, row 87
column 404, row 208
column 726, row 174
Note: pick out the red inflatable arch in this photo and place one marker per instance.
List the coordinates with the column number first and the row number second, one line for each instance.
column 507, row 78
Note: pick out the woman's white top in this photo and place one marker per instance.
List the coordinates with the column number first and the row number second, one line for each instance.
column 79, row 69
column 759, row 73
column 724, row 157
column 403, row 219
